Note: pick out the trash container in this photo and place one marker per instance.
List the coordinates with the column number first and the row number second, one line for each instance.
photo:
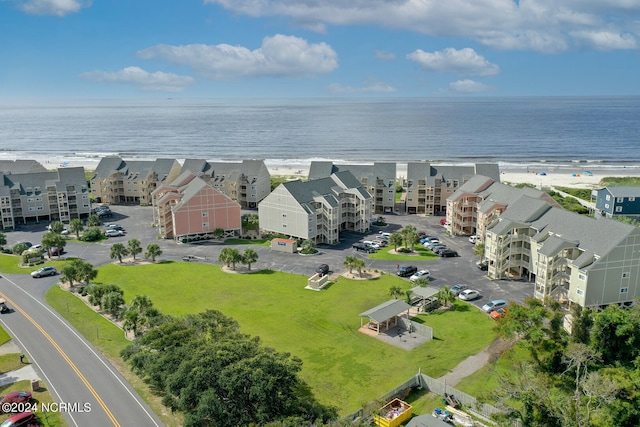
column 35, row 385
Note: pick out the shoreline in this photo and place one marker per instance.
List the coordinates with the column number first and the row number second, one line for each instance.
column 577, row 175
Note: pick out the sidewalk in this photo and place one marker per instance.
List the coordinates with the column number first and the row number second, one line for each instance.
column 26, row 372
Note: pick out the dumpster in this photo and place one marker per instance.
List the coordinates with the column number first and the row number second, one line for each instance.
column 393, row 414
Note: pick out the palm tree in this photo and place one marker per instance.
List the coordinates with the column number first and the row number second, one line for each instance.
column 409, row 294
column 93, row 221
column 134, row 247
column 308, row 247
column 118, row 250
column 230, row 256
column 56, row 227
column 395, row 291
column 359, row 265
column 422, row 282
column 153, row 251
column 407, row 233
column 445, row 296
column 69, row 274
column 249, row 257
column 478, row 250
column 350, row 262
column 84, row 271
column 413, row 238
column 396, row 240
column 76, row 226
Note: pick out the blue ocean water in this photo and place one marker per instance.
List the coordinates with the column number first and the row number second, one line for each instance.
column 599, row 130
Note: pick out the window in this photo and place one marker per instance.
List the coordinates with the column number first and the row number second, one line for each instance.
column 608, row 197
column 618, row 208
column 30, row 199
column 620, row 199
column 624, row 290
column 581, row 276
column 632, row 199
column 205, row 225
column 284, row 215
column 579, row 291
column 625, row 275
column 606, row 205
column 205, row 214
column 284, row 225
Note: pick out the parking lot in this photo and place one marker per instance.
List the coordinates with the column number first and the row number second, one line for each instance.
column 137, row 221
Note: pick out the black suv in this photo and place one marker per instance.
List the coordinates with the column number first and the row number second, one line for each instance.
column 322, row 269
column 447, row 253
column 363, row 247
column 406, row 270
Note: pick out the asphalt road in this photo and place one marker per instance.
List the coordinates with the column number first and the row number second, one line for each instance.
column 76, row 372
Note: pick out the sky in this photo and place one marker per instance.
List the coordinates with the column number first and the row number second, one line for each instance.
column 318, row 48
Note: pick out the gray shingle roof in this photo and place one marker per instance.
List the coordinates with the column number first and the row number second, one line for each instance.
column 21, row 166
column 306, row 192
column 386, row 310
column 378, row 170
column 624, row 191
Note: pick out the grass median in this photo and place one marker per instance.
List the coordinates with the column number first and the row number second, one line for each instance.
column 419, row 254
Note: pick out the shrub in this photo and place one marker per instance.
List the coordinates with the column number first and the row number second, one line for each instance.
column 93, row 234
column 20, row 248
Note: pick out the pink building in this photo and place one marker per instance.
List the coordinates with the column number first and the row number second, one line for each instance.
column 189, row 207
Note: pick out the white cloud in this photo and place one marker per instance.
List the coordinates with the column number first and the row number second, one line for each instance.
column 541, row 25
column 468, row 86
column 52, row 7
column 604, row 40
column 158, row 81
column 464, row 61
column 385, row 56
column 371, row 86
column 279, row 55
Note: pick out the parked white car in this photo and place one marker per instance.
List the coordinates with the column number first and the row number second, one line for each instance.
column 422, row 274
column 469, row 294
column 371, row 243
column 474, row 238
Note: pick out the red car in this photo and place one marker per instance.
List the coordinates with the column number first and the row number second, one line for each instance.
column 23, row 419
column 16, row 397
column 443, row 221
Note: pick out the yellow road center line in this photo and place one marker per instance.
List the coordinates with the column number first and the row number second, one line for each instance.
column 67, row 358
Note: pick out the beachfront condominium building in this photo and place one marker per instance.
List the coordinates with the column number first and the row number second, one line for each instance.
column 570, row 257
column 21, row 166
column 379, row 179
column 479, row 201
column 428, row 186
column 60, row 195
column 617, row 201
column 318, row 209
column 246, row 182
column 190, row 207
column 118, row 181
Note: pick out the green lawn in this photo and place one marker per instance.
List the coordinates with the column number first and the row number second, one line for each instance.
column 259, row 242
column 4, row 336
column 343, row 367
column 419, row 254
column 9, row 264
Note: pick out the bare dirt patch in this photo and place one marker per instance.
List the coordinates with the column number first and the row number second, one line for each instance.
column 366, row 275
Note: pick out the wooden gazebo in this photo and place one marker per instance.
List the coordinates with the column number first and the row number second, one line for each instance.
column 385, row 315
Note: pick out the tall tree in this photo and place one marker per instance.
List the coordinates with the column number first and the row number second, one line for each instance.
column 85, row 272
column 349, row 262
column 118, row 251
column 616, row 335
column 153, row 251
column 3, row 240
column 445, row 296
column 76, row 226
column 93, row 221
column 230, row 256
column 395, row 291
column 249, row 257
column 134, row 247
column 56, row 227
column 358, row 264
column 396, row 240
column 478, row 250
column 52, row 240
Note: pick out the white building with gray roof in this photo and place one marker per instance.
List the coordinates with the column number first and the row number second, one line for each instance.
column 428, row 186
column 379, row 179
column 318, row 209
column 59, row 195
column 118, row 181
column 569, row 257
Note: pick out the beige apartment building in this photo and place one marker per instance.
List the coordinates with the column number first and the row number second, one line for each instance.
column 569, row 257
column 60, row 195
column 319, row 209
column 118, row 181
column 246, row 182
column 379, row 179
column 428, row 186
column 480, row 201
